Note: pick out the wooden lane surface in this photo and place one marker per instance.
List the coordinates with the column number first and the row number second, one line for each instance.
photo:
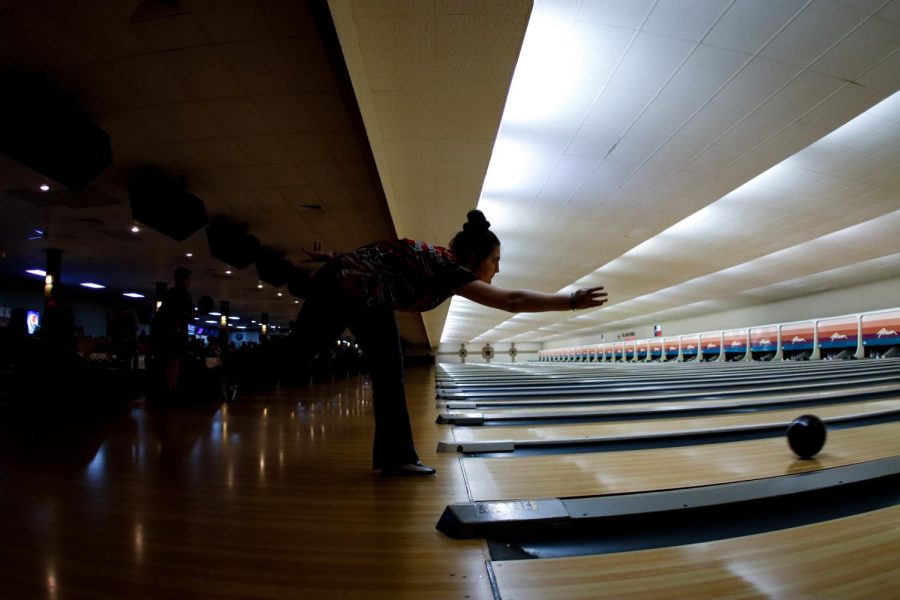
column 597, row 373
column 602, row 473
column 823, row 389
column 630, row 388
column 630, row 430
column 604, row 410
column 851, row 557
column 272, row 498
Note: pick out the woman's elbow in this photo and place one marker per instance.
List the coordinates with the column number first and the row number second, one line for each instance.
column 514, row 303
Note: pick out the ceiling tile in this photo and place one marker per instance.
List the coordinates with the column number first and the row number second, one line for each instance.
column 755, row 83
column 477, row 50
column 141, row 127
column 328, row 111
column 405, row 116
column 710, row 122
column 190, row 120
column 884, row 76
column 259, row 67
column 846, row 103
column 749, row 24
column 890, row 12
column 399, row 51
column 676, row 152
column 705, row 72
column 685, row 20
column 285, row 113
column 870, row 43
column 752, row 131
column 801, row 94
column 666, row 114
column 201, row 71
column 263, row 150
column 307, row 63
column 236, row 116
column 820, row 25
column 282, row 176
column 469, row 113
column 288, row 18
column 228, row 21
column 650, row 62
column 170, row 32
column 148, row 78
column 617, row 13
column 306, row 147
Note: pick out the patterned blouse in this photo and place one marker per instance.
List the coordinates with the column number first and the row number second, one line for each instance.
column 404, row 274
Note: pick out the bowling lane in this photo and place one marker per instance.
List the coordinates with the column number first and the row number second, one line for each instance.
column 661, row 386
column 585, row 374
column 602, row 473
column 710, row 404
column 850, row 557
column 473, row 437
column 875, row 384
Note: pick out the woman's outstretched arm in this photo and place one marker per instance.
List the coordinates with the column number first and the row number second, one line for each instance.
column 516, row 301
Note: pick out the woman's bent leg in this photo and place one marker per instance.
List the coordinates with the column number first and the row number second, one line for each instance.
column 376, row 331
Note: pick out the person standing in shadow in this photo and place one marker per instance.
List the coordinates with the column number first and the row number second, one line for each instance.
column 169, row 336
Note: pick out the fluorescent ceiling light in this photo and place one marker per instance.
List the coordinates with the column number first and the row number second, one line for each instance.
column 216, row 314
column 133, row 295
column 93, row 286
column 37, row 272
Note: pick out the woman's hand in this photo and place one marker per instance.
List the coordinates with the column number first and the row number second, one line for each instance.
column 588, row 298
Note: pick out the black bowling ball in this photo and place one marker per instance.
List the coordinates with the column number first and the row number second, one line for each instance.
column 806, row 435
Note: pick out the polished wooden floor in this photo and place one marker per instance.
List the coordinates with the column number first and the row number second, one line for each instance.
column 268, row 497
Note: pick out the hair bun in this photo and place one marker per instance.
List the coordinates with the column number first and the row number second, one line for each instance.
column 476, row 221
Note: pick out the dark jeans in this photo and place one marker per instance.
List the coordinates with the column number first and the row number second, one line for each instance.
column 326, row 312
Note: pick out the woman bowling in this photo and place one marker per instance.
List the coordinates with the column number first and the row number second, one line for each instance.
column 362, row 289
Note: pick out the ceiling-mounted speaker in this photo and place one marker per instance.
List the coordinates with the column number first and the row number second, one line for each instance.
column 43, row 129
column 272, row 267
column 299, row 282
column 161, row 201
column 230, row 243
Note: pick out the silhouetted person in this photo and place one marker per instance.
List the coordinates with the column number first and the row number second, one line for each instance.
column 168, row 334
column 58, row 327
column 13, row 337
column 123, row 328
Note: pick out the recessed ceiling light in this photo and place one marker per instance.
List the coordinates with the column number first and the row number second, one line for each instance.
column 189, row 254
column 135, row 229
column 259, row 286
column 280, row 294
column 93, row 286
column 37, row 272
column 45, row 187
column 228, row 272
column 133, row 295
column 296, row 302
